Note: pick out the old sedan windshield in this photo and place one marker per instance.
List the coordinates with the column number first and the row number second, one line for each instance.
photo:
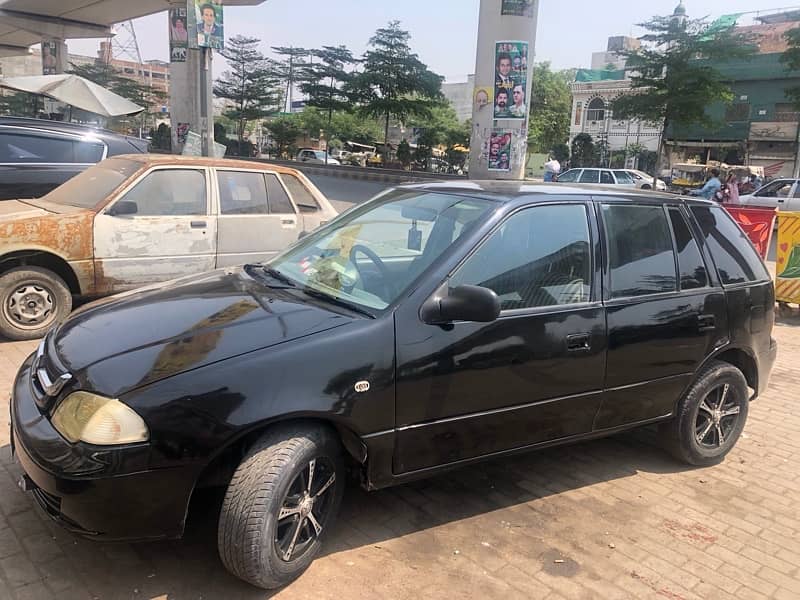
column 95, row 184
column 370, row 255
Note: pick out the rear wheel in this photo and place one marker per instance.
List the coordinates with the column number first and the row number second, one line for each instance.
column 647, row 186
column 711, row 417
column 280, row 504
column 32, row 300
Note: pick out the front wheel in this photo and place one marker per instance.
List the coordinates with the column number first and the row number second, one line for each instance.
column 32, row 300
column 710, row 417
column 280, row 504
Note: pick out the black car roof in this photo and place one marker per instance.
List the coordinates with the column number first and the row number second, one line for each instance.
column 61, row 126
column 509, row 191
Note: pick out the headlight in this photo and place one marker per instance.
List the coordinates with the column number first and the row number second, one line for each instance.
column 93, row 419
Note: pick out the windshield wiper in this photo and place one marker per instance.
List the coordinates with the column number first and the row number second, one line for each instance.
column 314, row 293
column 274, row 274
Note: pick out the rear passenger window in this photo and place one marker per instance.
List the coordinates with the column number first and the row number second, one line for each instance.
column 736, row 259
column 35, row 149
column 304, row 200
column 690, row 262
column 89, row 152
column 590, row 176
column 242, row 193
column 279, row 202
column 640, row 255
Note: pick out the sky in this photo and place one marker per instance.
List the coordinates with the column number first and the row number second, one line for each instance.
column 443, row 32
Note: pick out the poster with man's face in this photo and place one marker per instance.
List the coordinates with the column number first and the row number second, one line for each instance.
column 511, row 80
column 517, row 8
column 208, row 24
column 500, row 150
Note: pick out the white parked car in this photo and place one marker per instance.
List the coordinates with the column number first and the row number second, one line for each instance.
column 645, row 182
column 783, row 194
column 309, row 155
column 598, row 176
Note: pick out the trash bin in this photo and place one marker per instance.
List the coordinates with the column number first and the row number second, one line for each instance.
column 787, row 267
column 757, row 223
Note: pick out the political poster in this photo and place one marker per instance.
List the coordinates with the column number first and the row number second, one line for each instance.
column 484, row 96
column 511, row 80
column 208, row 24
column 500, row 150
column 178, row 34
column 517, row 8
column 49, row 57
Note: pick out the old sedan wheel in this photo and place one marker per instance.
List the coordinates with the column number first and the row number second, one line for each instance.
column 33, row 299
column 710, row 417
column 280, row 504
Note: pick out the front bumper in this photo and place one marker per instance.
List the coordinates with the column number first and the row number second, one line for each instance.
column 97, row 492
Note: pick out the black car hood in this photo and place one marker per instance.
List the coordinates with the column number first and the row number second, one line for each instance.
column 126, row 341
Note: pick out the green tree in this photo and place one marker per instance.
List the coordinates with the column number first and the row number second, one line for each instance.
column 550, row 108
column 19, row 104
column 674, row 77
column 560, row 152
column 284, row 130
column 394, row 81
column 324, row 80
column 290, row 67
column 582, row 151
column 404, row 153
column 249, row 86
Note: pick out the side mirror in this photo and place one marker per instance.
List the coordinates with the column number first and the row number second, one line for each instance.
column 123, row 207
column 462, row 303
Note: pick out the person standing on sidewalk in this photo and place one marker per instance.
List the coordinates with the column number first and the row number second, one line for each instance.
column 551, row 169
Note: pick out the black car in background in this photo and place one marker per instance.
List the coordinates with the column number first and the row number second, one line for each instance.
column 429, row 328
column 37, row 155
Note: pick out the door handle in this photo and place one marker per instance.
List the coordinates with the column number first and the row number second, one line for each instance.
column 706, row 323
column 578, row 342
column 288, row 222
column 198, row 224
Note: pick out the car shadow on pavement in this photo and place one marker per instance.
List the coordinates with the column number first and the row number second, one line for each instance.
column 190, row 568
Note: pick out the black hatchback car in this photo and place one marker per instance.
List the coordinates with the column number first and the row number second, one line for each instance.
column 431, row 327
column 37, row 156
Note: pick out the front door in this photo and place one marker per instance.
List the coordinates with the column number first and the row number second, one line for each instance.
column 536, row 374
column 160, row 229
column 256, row 218
column 665, row 311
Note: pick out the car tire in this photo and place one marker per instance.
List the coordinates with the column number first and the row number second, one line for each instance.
column 710, row 417
column 647, row 186
column 269, row 532
column 49, row 298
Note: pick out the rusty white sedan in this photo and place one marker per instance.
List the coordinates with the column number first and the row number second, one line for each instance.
column 135, row 220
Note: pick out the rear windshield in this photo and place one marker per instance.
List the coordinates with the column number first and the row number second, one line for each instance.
column 736, row 259
column 95, row 184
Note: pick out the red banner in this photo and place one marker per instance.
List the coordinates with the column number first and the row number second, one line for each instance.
column 757, row 223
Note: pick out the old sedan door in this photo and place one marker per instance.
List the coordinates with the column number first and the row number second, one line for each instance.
column 159, row 229
column 256, row 218
column 534, row 375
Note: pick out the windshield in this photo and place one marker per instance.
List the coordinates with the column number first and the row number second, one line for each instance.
column 95, row 184
column 369, row 256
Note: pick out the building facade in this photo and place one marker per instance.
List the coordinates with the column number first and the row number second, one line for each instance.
column 460, row 97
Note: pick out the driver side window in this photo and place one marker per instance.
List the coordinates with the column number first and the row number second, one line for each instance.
column 171, row 193
column 539, row 257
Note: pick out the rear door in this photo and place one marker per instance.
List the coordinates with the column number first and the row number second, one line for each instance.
column 256, row 217
column 34, row 162
column 665, row 310
column 163, row 230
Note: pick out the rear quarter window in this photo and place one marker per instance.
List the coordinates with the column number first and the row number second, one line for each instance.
column 736, row 260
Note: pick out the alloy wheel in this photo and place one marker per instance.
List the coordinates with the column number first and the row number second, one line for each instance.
column 717, row 417
column 305, row 510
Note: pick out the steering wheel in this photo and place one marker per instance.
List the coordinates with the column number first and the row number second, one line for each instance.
column 379, row 264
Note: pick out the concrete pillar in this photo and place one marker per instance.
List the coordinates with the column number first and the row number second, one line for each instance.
column 495, row 27
column 55, row 56
column 185, row 97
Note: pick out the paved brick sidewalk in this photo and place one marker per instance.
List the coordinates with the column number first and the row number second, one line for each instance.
column 616, row 518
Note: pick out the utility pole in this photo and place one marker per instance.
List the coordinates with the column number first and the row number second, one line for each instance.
column 503, row 72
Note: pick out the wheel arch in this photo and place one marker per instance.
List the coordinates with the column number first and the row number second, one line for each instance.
column 742, row 359
column 43, row 259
